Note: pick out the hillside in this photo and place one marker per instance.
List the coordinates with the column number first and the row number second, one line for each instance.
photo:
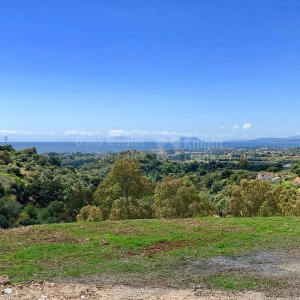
column 235, row 254
column 62, row 188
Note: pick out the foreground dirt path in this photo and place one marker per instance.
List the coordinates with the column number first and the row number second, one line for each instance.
column 53, row 291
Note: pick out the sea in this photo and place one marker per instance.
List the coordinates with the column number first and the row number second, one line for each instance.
column 74, row 147
column 117, row 146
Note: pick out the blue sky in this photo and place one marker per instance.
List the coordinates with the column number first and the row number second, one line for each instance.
column 149, row 69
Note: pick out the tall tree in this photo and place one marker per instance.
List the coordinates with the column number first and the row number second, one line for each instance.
column 125, row 180
column 247, row 199
column 177, row 198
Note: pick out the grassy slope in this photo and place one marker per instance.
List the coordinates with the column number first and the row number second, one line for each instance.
column 134, row 246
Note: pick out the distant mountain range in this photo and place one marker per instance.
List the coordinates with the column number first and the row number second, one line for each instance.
column 193, row 142
column 295, row 137
column 290, row 141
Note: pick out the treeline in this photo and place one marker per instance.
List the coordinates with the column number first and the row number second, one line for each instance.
column 54, row 188
column 126, row 194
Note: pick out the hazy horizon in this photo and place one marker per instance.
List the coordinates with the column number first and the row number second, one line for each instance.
column 120, row 139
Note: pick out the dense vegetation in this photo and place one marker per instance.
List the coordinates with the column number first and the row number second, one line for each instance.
column 37, row 189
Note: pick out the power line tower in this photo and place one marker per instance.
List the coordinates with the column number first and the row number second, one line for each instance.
column 5, row 140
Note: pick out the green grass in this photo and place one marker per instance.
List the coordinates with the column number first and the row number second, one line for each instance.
column 238, row 283
column 45, row 252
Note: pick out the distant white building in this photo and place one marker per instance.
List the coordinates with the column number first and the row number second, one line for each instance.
column 266, row 176
column 276, row 179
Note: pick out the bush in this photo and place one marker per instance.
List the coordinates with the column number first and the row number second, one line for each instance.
column 13, row 169
column 131, row 209
column 4, row 222
column 89, row 213
column 23, row 219
column 56, row 208
column 9, row 211
column 5, row 157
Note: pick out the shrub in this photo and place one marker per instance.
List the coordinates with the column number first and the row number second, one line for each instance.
column 131, row 209
column 23, row 219
column 89, row 213
column 4, row 222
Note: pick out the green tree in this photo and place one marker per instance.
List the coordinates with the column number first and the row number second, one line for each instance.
column 54, row 160
column 289, row 202
column 125, row 180
column 45, row 191
column 32, row 213
column 79, row 196
column 8, row 148
column 131, row 209
column 254, row 197
column 244, row 163
column 5, row 157
column 21, row 192
column 247, row 198
column 202, row 206
column 10, row 210
column 30, row 151
column 221, row 203
column 174, row 197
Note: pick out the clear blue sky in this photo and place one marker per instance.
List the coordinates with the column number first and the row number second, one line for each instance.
column 150, row 69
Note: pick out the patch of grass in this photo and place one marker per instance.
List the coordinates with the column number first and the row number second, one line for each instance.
column 164, row 273
column 238, row 283
column 135, row 246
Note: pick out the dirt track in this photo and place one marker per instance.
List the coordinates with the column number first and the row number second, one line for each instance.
column 51, row 291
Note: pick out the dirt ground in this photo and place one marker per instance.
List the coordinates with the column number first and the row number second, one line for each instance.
column 51, row 291
column 186, row 281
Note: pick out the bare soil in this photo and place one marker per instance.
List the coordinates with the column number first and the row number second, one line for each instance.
column 54, row 291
